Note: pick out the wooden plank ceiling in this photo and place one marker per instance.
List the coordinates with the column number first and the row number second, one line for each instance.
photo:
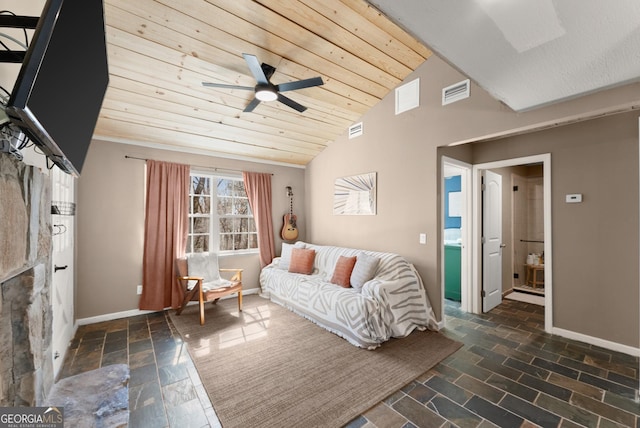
column 160, row 52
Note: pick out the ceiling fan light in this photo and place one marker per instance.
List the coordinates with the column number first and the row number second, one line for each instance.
column 266, row 95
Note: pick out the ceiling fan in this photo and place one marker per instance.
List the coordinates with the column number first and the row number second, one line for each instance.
column 267, row 91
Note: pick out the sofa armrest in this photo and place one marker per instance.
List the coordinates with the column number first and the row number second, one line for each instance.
column 403, row 301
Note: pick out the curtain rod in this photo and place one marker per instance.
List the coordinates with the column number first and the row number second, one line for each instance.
column 195, row 166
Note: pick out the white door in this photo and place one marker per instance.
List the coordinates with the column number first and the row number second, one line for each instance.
column 491, row 240
column 62, row 196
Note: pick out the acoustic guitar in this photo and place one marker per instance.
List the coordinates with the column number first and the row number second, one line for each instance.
column 289, row 230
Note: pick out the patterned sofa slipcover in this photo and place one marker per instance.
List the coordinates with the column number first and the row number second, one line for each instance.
column 392, row 304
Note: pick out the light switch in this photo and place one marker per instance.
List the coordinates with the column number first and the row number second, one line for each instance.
column 423, row 238
column 574, row 198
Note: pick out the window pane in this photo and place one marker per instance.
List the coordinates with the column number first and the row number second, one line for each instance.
column 225, row 187
column 189, row 244
column 244, row 225
column 238, row 188
column 226, row 242
column 201, row 204
column 253, row 240
column 201, row 225
column 252, row 225
column 241, row 241
column 241, row 206
column 225, row 205
column 200, row 243
column 200, row 185
column 226, row 225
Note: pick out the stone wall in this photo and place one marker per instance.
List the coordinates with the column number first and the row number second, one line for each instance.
column 26, row 368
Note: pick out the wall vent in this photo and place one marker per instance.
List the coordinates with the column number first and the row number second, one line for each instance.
column 408, row 96
column 456, row 92
column 355, row 130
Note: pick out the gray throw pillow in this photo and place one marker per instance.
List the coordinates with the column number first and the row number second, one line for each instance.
column 285, row 254
column 364, row 270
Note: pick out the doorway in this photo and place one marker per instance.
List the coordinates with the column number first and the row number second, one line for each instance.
column 527, row 238
column 456, row 231
column 477, row 285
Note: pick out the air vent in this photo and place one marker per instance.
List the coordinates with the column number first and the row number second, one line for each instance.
column 408, row 96
column 456, row 92
column 355, row 130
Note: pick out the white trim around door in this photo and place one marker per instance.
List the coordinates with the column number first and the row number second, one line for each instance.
column 476, row 246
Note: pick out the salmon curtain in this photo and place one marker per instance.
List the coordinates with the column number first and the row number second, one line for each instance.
column 258, row 188
column 165, row 235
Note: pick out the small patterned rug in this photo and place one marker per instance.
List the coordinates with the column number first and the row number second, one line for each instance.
column 268, row 367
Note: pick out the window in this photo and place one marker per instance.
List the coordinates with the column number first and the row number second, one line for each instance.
column 219, row 215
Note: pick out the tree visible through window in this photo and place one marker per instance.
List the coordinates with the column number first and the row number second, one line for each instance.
column 219, row 215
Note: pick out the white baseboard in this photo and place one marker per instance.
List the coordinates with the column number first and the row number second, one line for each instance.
column 135, row 312
column 112, row 316
column 618, row 347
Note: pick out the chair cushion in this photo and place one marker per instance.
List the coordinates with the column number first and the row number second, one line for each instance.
column 220, row 283
column 204, row 265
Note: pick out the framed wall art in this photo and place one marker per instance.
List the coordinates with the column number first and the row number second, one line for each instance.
column 355, row 195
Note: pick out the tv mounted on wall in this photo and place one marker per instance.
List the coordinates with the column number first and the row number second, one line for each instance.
column 59, row 91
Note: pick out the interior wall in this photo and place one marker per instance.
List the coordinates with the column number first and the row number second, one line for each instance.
column 110, row 222
column 595, row 245
column 404, row 151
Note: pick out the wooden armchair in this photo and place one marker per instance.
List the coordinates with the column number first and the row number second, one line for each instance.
column 204, row 284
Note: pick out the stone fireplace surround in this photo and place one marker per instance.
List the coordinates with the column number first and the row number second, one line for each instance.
column 26, row 367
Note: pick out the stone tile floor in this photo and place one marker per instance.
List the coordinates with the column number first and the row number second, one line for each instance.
column 509, row 373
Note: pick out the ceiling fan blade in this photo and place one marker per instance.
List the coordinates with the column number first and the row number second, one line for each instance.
column 224, row 85
column 252, row 105
column 256, row 69
column 299, row 84
column 288, row 101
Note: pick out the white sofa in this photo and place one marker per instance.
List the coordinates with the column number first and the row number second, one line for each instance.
column 392, row 303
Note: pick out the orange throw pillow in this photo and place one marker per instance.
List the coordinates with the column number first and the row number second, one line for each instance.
column 342, row 272
column 302, row 260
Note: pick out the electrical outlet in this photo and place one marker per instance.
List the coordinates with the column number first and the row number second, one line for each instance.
column 423, row 238
column 139, row 289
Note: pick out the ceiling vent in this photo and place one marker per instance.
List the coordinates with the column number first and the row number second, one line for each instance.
column 456, row 92
column 355, row 130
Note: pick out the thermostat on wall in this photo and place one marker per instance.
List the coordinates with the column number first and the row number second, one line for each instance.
column 574, row 198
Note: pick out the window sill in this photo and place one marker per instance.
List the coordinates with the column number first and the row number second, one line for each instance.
column 238, row 253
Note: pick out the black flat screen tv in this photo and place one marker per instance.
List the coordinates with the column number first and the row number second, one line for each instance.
column 59, row 91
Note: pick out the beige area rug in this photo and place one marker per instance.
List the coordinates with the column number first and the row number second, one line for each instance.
column 268, row 367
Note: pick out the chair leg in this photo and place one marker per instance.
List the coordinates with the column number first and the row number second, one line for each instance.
column 240, row 301
column 188, row 295
column 201, row 312
column 201, row 302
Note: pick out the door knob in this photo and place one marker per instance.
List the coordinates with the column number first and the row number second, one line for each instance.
column 57, row 268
